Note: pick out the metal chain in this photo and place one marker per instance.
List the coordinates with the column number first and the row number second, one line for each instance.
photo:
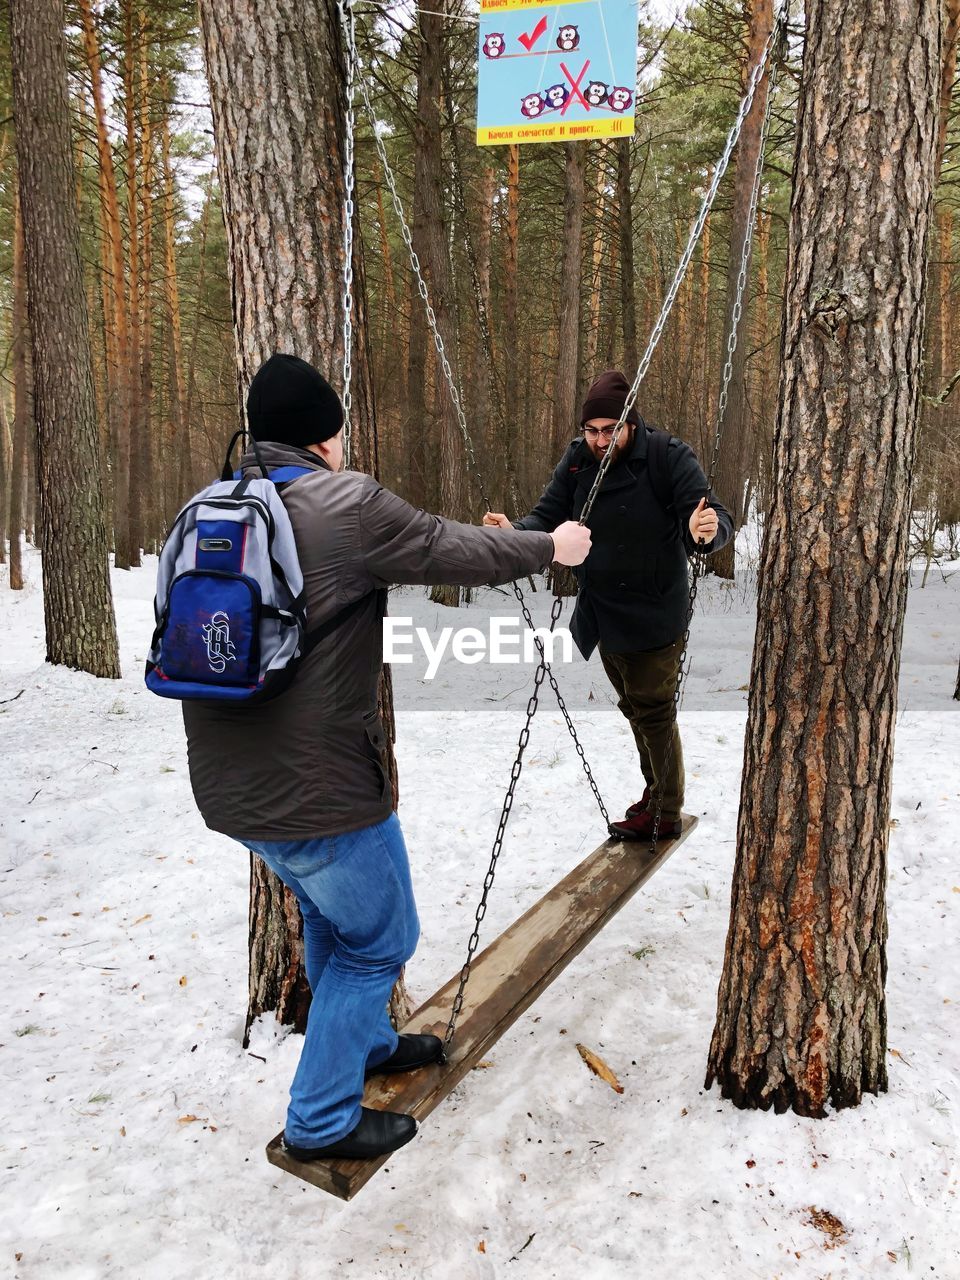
column 462, row 420
column 695, row 232
column 700, row 559
column 345, row 8
column 544, row 670
column 422, row 290
column 481, row 911
column 740, row 292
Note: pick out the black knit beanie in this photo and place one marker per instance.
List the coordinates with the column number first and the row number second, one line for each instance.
column 290, row 402
column 606, row 398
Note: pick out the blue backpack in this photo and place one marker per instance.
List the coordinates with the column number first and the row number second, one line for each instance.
column 231, row 622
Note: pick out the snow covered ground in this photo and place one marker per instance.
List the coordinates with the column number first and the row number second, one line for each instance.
column 133, row 1123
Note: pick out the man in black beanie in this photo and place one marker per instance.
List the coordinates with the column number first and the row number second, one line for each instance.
column 300, row 780
column 652, row 510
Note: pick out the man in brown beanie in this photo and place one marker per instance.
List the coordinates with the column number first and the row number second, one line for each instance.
column 652, row 511
column 300, row 779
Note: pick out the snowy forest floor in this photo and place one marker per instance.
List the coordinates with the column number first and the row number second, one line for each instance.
column 133, row 1122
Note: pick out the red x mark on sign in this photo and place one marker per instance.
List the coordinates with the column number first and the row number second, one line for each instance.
column 575, row 86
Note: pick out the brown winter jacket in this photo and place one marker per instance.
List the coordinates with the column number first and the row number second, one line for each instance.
column 309, row 762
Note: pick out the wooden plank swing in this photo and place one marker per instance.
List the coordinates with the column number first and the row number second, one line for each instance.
column 505, row 980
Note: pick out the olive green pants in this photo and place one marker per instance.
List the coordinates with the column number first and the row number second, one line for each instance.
column 645, row 684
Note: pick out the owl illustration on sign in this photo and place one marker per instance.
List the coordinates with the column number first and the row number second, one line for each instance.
column 532, row 106
column 494, row 44
column 556, row 96
column 596, row 93
column 620, row 98
column 568, row 38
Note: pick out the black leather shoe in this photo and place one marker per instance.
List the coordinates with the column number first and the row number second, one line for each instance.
column 378, row 1133
column 411, row 1052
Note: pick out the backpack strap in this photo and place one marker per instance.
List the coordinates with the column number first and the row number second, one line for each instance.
column 227, row 472
column 327, row 628
column 658, row 466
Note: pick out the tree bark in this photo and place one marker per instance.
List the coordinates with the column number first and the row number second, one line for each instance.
column 77, row 604
column 187, row 462
column 947, row 75
column 129, row 524
column 734, row 462
column 116, row 324
column 508, row 343
column 763, row 390
column 565, row 382
column 430, row 244
column 628, row 288
column 706, row 423
column 276, row 73
column 179, row 437
column 6, row 461
column 22, row 412
column 591, row 343
column 145, row 533
column 801, row 1017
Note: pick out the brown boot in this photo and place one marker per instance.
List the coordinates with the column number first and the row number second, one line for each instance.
column 640, row 805
column 640, row 827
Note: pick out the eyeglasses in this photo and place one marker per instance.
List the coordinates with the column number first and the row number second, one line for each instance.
column 605, row 432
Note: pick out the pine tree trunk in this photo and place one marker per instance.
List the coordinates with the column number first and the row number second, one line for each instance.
column 276, row 79
column 565, row 382
column 628, row 288
column 762, row 388
column 682, row 349
column 734, row 462
column 801, row 1017
column 391, row 363
column 430, row 244
column 22, row 411
column 489, row 422
column 592, row 338
column 611, row 318
column 186, row 461
column 77, row 604
column 178, row 437
column 707, row 373
column 146, row 440
column 951, row 34
column 115, row 319
column 566, row 374
column 6, row 460
column 128, row 535
column 508, row 334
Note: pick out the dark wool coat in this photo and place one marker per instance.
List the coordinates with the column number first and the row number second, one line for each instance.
column 310, row 762
column 633, row 585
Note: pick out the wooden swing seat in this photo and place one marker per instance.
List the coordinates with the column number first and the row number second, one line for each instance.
column 505, row 979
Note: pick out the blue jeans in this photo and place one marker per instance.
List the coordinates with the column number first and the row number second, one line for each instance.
column 360, row 927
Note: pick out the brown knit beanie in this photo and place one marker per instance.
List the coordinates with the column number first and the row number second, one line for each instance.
column 606, row 398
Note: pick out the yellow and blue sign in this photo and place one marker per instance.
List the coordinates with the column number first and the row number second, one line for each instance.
column 559, row 71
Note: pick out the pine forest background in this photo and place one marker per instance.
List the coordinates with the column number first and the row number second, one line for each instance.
column 546, row 264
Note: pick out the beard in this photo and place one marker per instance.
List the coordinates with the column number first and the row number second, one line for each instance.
column 599, row 447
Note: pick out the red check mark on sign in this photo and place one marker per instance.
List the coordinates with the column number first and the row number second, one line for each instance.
column 528, row 41
column 575, row 87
